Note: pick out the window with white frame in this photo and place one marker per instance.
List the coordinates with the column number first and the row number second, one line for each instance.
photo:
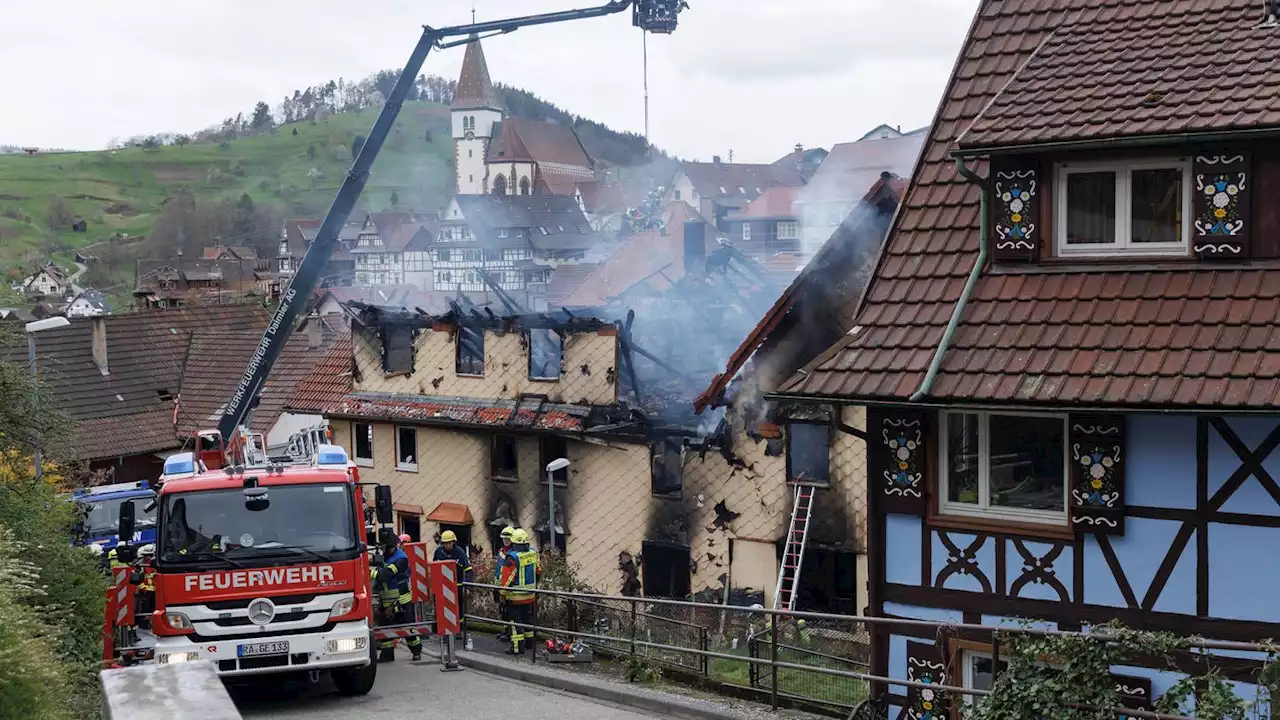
column 362, row 443
column 788, row 230
column 746, row 231
column 1011, row 466
column 1134, row 208
column 977, row 671
column 407, row 449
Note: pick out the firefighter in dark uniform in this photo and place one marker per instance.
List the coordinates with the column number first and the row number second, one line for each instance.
column 520, row 572
column 392, row 582
column 449, row 549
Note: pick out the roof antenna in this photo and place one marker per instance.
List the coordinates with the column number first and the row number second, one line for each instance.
column 473, row 12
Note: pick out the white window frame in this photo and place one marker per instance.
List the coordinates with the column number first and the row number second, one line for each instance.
column 1123, row 246
column 746, row 231
column 792, row 230
column 966, row 670
column 984, row 509
column 405, row 466
column 355, row 446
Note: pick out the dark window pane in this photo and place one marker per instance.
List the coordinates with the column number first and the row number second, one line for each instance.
column 666, row 468
column 364, row 441
column 962, row 458
column 554, row 449
column 1091, row 208
column 470, row 350
column 407, row 446
column 1157, row 205
column 397, row 355
column 809, row 452
column 545, row 354
column 1026, row 462
column 505, row 457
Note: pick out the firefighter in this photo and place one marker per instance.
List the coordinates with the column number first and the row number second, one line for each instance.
column 520, row 576
column 450, row 550
column 499, row 556
column 145, row 576
column 392, row 580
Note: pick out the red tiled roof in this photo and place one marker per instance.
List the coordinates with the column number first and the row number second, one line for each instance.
column 1194, row 337
column 451, row 514
column 775, row 202
column 474, row 87
column 648, row 255
column 432, row 410
column 329, row 382
column 524, row 140
column 110, row 437
column 1199, row 66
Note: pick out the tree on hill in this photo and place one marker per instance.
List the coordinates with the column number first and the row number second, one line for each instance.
column 262, row 119
column 60, row 214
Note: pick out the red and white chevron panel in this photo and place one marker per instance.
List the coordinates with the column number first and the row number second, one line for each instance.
column 444, row 586
column 402, row 631
column 121, row 596
column 419, row 580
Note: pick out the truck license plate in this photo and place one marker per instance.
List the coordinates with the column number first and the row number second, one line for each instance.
column 270, row 648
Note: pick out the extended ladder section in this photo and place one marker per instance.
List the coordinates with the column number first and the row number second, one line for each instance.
column 784, row 595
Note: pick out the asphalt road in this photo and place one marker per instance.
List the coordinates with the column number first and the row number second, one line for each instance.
column 406, row 691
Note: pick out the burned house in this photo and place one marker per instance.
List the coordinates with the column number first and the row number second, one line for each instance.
column 182, row 283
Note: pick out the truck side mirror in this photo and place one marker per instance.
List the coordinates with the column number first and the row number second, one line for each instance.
column 382, row 501
column 127, row 521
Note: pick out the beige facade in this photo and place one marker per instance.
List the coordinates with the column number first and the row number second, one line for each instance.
column 739, row 499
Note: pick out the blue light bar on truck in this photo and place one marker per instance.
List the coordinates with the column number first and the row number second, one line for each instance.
column 117, row 487
column 331, row 455
column 180, row 464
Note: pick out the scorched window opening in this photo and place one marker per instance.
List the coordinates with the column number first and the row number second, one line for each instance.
column 397, row 350
column 554, row 448
column 809, row 453
column 1010, row 466
column 546, row 353
column 667, row 468
column 315, row 523
column 505, row 458
column 362, row 443
column 407, row 449
column 470, row 359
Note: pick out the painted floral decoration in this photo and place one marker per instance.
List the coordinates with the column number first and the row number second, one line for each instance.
column 1015, row 191
column 927, row 704
column 1098, row 465
column 1221, row 216
column 903, row 474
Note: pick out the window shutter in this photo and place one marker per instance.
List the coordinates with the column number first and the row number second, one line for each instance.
column 1133, row 692
column 925, row 664
column 1015, row 210
column 1221, row 226
column 897, row 450
column 1097, row 473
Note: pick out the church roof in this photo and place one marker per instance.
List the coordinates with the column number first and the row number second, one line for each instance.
column 475, row 89
column 540, row 141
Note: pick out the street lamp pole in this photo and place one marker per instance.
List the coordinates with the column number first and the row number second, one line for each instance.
column 32, row 328
column 552, row 467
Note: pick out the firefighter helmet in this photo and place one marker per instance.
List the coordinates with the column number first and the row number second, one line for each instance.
column 404, row 538
column 448, row 536
column 508, row 531
column 519, row 537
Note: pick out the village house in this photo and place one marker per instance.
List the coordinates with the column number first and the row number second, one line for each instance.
column 768, row 225
column 509, row 156
column 87, row 304
column 461, row 413
column 48, row 281
column 392, row 249
column 295, row 239
column 833, row 191
column 182, row 282
column 1067, row 354
column 717, row 188
column 136, row 385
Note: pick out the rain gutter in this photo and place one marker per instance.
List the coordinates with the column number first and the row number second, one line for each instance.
column 1119, row 143
column 984, row 222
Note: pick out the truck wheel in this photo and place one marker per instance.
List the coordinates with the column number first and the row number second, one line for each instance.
column 356, row 681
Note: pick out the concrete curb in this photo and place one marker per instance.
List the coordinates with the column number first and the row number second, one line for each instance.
column 648, row 701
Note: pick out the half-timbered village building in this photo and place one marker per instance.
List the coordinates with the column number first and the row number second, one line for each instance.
column 1069, row 351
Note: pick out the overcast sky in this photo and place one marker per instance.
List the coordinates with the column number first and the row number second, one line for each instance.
column 751, row 76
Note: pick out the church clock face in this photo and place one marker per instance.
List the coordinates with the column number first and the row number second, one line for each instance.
column 470, row 135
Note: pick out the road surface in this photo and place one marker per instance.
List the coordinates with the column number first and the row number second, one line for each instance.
column 406, row 691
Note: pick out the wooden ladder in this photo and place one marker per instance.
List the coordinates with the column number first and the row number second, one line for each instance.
column 784, row 595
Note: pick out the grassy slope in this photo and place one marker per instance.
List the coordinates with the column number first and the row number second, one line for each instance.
column 271, row 168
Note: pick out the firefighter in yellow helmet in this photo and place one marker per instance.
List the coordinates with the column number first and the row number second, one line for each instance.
column 520, row 573
column 499, row 556
column 449, row 549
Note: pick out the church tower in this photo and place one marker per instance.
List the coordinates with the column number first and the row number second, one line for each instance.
column 476, row 115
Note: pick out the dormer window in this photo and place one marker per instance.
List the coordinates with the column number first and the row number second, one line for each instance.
column 1123, row 209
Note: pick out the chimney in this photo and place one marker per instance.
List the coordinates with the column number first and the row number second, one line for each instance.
column 695, row 247
column 313, row 331
column 608, row 178
column 99, row 325
column 799, row 157
column 715, row 159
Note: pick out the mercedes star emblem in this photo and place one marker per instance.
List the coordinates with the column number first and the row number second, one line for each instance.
column 261, row 611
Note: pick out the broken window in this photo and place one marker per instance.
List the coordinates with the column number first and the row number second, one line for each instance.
column 665, row 570
column 809, row 453
column 546, row 350
column 411, row 525
column 407, row 448
column 470, row 350
column 362, row 440
column 397, row 349
column 666, row 468
column 505, row 457
column 554, row 448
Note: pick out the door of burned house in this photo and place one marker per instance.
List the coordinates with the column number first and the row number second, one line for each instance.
column 828, row 580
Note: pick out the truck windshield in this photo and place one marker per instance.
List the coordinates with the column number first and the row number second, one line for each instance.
column 104, row 515
column 309, row 520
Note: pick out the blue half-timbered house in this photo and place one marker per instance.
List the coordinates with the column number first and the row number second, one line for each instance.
column 1070, row 350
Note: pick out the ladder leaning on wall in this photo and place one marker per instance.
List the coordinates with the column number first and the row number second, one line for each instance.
column 784, row 595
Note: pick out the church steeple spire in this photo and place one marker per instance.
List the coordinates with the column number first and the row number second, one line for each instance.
column 474, row 90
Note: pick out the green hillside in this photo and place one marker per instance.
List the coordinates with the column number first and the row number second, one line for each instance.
column 296, row 169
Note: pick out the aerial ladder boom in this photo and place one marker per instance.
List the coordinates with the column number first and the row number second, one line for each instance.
column 649, row 15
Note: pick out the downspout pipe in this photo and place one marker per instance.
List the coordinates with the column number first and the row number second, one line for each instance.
column 984, row 227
